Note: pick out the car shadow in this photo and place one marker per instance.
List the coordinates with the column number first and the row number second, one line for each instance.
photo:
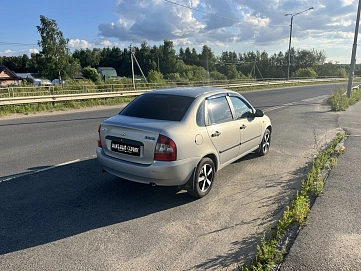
column 250, row 156
column 43, row 207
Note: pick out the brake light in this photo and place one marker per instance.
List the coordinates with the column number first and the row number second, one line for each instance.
column 165, row 149
column 99, row 141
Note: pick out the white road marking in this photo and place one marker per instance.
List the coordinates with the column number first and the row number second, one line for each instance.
column 39, row 170
column 293, row 103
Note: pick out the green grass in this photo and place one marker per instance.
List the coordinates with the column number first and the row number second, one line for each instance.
column 268, row 253
column 272, row 86
column 339, row 100
column 60, row 106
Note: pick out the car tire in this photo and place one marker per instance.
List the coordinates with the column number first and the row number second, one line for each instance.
column 203, row 178
column 265, row 144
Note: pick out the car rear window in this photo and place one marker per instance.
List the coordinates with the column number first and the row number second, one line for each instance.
column 158, row 106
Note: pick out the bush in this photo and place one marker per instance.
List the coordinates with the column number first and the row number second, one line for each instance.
column 155, row 77
column 92, row 74
column 215, row 75
column 306, row 73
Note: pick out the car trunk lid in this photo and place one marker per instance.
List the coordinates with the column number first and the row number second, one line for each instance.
column 131, row 139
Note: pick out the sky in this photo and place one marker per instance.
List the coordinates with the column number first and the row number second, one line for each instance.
column 223, row 25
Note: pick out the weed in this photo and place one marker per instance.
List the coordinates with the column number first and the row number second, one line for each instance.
column 300, row 208
column 339, row 100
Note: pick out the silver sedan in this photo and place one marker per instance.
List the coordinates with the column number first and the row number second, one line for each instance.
column 181, row 137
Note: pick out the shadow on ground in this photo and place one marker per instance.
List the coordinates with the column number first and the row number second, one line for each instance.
column 47, row 206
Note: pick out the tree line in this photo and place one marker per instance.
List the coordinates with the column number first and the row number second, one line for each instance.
column 163, row 62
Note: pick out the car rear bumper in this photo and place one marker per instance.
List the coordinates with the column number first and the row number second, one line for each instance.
column 159, row 173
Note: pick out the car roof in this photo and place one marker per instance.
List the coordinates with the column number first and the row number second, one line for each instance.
column 191, row 91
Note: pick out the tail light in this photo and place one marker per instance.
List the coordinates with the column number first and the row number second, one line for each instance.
column 99, row 141
column 165, row 149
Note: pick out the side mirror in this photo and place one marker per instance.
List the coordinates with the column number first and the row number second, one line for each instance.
column 259, row 113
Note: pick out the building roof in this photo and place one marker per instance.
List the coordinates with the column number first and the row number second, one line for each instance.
column 27, row 75
column 107, row 71
column 12, row 75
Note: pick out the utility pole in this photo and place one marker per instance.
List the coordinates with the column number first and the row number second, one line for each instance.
column 289, row 50
column 145, row 79
column 131, row 58
column 353, row 55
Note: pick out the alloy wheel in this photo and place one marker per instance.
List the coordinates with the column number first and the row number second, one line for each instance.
column 205, row 177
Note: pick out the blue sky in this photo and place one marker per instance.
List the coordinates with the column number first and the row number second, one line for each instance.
column 223, row 25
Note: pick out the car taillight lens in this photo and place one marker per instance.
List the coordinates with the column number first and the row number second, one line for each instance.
column 99, row 141
column 165, row 149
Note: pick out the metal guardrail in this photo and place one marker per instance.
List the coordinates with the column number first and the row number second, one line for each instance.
column 127, row 93
column 67, row 97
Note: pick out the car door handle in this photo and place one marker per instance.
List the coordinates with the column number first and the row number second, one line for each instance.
column 243, row 127
column 216, row 133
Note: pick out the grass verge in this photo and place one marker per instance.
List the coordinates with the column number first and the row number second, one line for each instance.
column 60, row 106
column 268, row 252
column 272, row 86
column 339, row 100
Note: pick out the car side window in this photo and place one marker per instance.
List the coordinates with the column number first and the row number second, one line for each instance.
column 218, row 110
column 200, row 115
column 241, row 108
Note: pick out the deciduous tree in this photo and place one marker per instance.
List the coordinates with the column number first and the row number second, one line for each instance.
column 54, row 55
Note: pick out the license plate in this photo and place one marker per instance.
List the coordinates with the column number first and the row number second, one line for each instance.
column 126, row 148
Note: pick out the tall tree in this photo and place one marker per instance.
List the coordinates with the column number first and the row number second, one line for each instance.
column 167, row 57
column 207, row 59
column 54, row 55
column 149, row 60
column 88, row 57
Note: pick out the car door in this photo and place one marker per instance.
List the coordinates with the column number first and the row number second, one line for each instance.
column 249, row 126
column 222, row 129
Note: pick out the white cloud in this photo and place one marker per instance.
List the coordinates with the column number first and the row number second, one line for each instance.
column 21, row 52
column 78, row 44
column 183, row 42
column 107, row 43
column 256, row 21
column 346, row 2
column 152, row 20
column 340, row 22
column 33, row 51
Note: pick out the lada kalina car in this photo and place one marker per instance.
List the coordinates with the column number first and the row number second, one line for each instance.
column 181, row 137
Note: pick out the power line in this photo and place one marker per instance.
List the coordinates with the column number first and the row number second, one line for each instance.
column 213, row 14
column 17, row 43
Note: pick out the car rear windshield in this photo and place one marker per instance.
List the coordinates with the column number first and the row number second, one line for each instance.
column 158, row 106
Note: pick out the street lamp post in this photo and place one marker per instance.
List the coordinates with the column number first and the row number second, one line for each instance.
column 289, row 44
column 354, row 49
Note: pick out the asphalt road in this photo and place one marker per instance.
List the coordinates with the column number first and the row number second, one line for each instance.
column 59, row 212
